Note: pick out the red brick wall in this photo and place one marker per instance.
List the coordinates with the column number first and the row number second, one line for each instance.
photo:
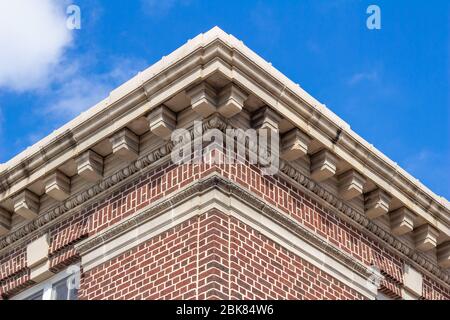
column 163, row 267
column 262, row 269
column 164, row 180
column 434, row 291
column 210, row 257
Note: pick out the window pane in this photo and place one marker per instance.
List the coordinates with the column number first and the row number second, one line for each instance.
column 61, row 290
column 73, row 294
column 73, row 282
column 36, row 296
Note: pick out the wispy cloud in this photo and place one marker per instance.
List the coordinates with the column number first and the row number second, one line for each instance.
column 416, row 161
column 264, row 19
column 73, row 91
column 2, row 119
column 431, row 167
column 313, row 46
column 77, row 91
column 33, row 38
column 159, row 8
column 368, row 76
column 80, row 91
column 374, row 78
column 333, row 5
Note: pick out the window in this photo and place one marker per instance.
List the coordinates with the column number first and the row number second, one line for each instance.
column 36, row 296
column 382, row 296
column 62, row 286
column 63, row 290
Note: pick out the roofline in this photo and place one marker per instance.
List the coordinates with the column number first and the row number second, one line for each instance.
column 201, row 41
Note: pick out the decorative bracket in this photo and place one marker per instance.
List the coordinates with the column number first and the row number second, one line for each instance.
column 323, row 165
column 125, row 144
column 26, row 205
column 90, row 166
column 57, row 186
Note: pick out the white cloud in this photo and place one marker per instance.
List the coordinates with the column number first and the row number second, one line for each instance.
column 33, row 37
column 33, row 56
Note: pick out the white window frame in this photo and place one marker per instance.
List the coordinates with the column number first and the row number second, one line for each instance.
column 46, row 286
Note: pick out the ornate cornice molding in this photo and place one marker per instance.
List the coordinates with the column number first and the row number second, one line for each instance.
column 322, row 124
column 147, row 161
column 216, row 51
column 83, row 197
column 161, row 155
column 398, row 246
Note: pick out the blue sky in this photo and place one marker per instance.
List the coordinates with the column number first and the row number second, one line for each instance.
column 391, row 85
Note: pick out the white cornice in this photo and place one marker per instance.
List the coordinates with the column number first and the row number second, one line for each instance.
column 216, row 51
column 151, row 160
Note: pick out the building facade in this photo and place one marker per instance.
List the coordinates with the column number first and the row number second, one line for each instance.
column 117, row 204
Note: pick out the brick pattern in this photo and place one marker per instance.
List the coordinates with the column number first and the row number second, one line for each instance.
column 150, row 187
column 315, row 217
column 261, row 269
column 12, row 263
column 63, row 259
column 16, row 283
column 211, row 257
column 392, row 271
column 434, row 291
column 391, row 288
column 14, row 274
column 166, row 179
column 164, row 267
column 68, row 232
